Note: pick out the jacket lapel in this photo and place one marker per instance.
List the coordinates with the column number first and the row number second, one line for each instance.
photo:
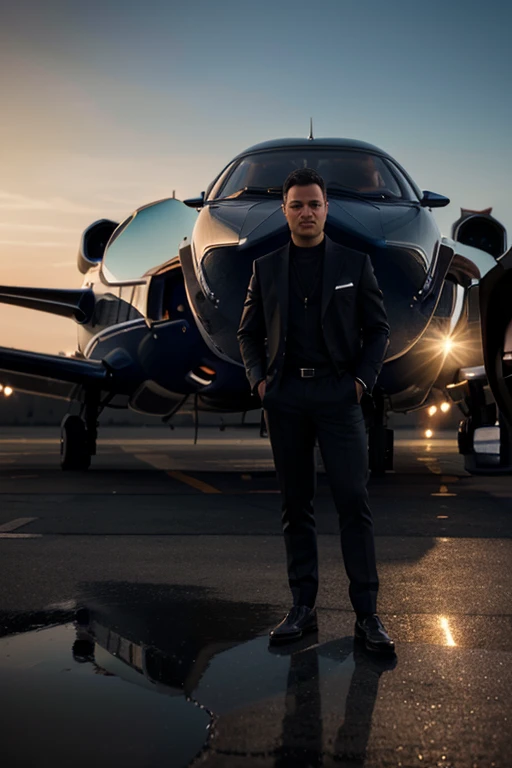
column 281, row 272
column 332, row 265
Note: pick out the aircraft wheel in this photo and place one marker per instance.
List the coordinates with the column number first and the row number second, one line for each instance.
column 380, row 449
column 74, row 450
column 491, row 454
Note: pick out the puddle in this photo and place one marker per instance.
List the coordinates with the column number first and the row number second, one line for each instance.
column 70, row 710
column 132, row 683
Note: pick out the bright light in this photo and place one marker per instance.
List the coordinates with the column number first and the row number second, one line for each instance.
column 429, row 433
column 445, row 407
column 432, row 410
column 460, row 349
column 7, row 391
column 446, row 627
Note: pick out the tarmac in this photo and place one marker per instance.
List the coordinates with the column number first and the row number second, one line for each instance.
column 136, row 600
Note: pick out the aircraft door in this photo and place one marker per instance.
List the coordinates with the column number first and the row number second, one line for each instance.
column 496, row 314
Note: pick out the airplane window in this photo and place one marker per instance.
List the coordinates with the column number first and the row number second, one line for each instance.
column 408, row 191
column 151, row 237
column 212, row 193
column 356, row 171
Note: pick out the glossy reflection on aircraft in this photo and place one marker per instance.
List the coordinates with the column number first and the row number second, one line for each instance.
column 163, row 293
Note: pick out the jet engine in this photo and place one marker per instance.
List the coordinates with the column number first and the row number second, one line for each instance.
column 93, row 243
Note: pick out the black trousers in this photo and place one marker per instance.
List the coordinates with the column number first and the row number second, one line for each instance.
column 298, row 411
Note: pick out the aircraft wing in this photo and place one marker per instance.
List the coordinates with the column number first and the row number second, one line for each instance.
column 51, row 375
column 76, row 304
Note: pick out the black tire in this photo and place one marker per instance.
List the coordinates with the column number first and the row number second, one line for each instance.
column 380, row 449
column 74, row 450
column 496, row 463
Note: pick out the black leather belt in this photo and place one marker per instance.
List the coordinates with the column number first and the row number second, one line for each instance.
column 311, row 373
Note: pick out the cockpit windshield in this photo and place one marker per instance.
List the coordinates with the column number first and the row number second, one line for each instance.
column 342, row 169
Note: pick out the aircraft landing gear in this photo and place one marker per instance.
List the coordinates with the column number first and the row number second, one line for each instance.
column 380, row 438
column 74, row 453
column 487, row 448
column 78, row 436
column 380, row 449
column 484, row 437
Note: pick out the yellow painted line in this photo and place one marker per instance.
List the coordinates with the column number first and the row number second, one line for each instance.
column 443, row 491
column 18, row 523
column 167, row 464
column 199, row 485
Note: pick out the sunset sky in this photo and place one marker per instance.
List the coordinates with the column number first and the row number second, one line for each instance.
column 109, row 105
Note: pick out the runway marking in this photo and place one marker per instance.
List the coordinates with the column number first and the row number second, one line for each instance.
column 199, row 485
column 156, row 460
column 433, row 466
column 166, row 463
column 18, row 523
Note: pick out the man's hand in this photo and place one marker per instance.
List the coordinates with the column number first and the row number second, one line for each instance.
column 262, row 386
column 359, row 390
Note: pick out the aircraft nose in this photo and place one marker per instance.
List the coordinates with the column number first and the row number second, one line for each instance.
column 400, row 274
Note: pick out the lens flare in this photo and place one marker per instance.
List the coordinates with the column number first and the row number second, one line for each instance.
column 459, row 348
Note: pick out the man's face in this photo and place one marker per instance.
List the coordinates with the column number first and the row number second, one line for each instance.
column 305, row 210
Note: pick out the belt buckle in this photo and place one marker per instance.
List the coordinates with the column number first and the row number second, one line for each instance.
column 307, row 373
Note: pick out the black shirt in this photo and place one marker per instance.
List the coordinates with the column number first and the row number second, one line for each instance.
column 305, row 344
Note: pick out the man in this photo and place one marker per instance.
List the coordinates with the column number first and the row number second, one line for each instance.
column 313, row 336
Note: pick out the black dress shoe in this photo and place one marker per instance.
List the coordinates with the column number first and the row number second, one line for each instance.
column 299, row 620
column 371, row 631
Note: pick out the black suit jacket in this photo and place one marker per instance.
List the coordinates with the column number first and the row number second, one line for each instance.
column 354, row 320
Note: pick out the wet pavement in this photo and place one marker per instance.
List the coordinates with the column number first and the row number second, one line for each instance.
column 135, row 602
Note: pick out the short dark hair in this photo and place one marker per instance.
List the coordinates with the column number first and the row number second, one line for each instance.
column 303, row 177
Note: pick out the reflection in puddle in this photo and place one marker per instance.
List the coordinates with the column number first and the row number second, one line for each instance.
column 58, row 706
column 95, row 690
